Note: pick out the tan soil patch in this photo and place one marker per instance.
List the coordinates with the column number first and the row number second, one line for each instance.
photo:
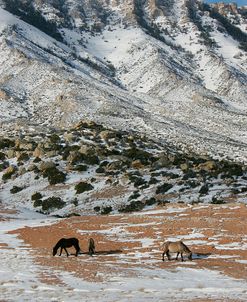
column 134, row 241
column 4, row 212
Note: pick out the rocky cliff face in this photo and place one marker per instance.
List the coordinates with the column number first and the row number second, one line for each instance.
column 174, row 70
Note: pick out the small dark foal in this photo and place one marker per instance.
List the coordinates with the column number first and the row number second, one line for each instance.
column 66, row 242
column 91, row 246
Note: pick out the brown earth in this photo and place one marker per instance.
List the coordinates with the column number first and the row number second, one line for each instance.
column 134, row 240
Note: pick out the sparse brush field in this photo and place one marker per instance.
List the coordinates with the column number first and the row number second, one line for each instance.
column 91, row 169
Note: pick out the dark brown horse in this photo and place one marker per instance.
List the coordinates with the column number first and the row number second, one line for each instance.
column 66, row 242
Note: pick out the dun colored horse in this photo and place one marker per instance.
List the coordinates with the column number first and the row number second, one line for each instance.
column 176, row 247
column 66, row 242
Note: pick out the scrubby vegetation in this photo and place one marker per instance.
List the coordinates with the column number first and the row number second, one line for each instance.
column 54, row 175
column 52, row 203
column 82, row 187
column 16, row 189
column 129, row 171
column 231, row 29
column 27, row 12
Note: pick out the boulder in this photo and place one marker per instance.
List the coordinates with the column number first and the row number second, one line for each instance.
column 74, row 157
column 69, row 137
column 38, row 152
column 209, row 165
column 27, row 146
column 11, row 153
column 116, row 165
column 136, row 164
column 22, row 170
column 46, row 165
column 184, row 167
column 10, row 170
column 106, row 135
column 87, row 150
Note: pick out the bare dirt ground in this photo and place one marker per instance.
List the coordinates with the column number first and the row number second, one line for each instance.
column 216, row 234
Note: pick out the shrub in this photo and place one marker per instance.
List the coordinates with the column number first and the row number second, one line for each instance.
column 189, row 174
column 52, row 203
column 135, row 153
column 6, row 143
column 163, row 188
column 100, row 170
column 135, row 205
column 75, row 202
column 204, row 189
column 216, row 200
column 192, row 184
column 96, row 209
column 7, row 175
column 27, row 12
column 81, row 168
column 134, row 195
column 83, row 187
column 163, row 202
column 104, row 163
column 139, row 182
column 133, row 176
column 150, row 201
column 54, row 175
column 153, row 181
column 2, row 156
column 36, row 196
column 231, row 169
column 4, row 165
column 106, row 210
column 37, row 203
column 92, row 160
column 37, row 160
column 67, row 149
column 54, row 138
column 16, row 189
column 23, row 157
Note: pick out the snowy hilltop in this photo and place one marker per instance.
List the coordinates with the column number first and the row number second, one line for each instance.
column 174, row 71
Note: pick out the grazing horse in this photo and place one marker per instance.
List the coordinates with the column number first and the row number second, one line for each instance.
column 66, row 242
column 91, row 246
column 176, row 247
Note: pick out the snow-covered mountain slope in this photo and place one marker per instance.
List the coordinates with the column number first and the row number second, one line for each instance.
column 173, row 70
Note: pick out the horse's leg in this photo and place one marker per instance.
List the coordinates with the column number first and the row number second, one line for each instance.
column 61, row 249
column 91, row 251
column 177, row 256
column 66, row 251
column 163, row 256
column 182, row 259
column 168, row 255
column 78, row 249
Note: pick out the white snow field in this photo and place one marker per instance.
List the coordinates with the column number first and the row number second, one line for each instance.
column 20, row 277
